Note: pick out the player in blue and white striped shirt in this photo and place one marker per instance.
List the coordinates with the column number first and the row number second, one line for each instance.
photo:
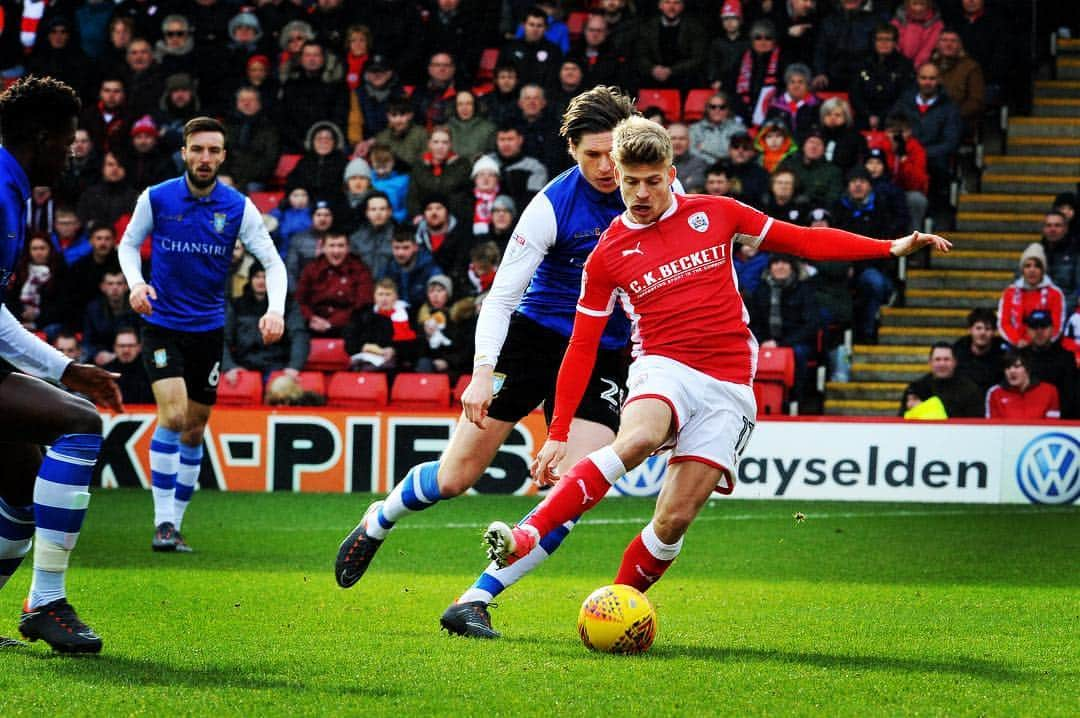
column 42, row 500
column 194, row 222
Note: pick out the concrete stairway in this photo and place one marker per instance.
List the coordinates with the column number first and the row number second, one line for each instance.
column 1041, row 159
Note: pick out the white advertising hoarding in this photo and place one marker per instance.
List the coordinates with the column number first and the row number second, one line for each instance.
column 897, row 461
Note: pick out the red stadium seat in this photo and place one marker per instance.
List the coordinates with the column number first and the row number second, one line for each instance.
column 488, row 59
column 769, row 397
column 357, row 390
column 247, row 391
column 694, row 107
column 575, row 23
column 266, row 201
column 775, row 375
column 459, row 388
column 666, row 100
column 285, row 165
column 313, row 381
column 327, row 355
column 420, row 391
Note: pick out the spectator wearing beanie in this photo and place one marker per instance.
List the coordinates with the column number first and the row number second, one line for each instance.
column 485, row 176
column 503, row 218
column 146, row 163
column 370, row 103
column 1032, row 291
column 58, row 55
column 356, row 186
column 406, row 140
column 321, row 168
column 178, row 104
column 444, row 344
column 258, row 73
column 253, row 143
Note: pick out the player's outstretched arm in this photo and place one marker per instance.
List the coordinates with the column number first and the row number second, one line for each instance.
column 915, row 241
column 94, row 382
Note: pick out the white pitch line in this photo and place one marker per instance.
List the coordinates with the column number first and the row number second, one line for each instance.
column 810, row 517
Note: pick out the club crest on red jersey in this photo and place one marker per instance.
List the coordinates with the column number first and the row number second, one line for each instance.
column 698, row 221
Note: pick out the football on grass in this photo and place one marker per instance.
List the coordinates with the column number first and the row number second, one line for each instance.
column 617, row 619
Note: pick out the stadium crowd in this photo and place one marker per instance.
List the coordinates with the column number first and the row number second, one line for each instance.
column 392, row 153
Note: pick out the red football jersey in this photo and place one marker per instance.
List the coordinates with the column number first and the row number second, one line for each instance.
column 677, row 283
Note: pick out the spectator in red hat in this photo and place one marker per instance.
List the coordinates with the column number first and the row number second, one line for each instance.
column 258, row 73
column 1031, row 298
column 728, row 48
column 145, row 162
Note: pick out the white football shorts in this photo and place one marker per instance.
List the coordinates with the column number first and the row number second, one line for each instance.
column 713, row 419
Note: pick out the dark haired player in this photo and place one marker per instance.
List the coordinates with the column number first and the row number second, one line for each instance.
column 521, row 335
column 43, row 500
column 194, row 221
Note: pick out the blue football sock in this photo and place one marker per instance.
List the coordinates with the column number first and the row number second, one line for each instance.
column 419, row 490
column 495, row 580
column 60, row 499
column 164, row 466
column 16, row 535
column 190, row 463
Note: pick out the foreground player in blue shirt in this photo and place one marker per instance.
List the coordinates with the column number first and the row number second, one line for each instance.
column 194, row 222
column 43, row 501
column 521, row 336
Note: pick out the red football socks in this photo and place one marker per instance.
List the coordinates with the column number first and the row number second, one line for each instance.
column 639, row 567
column 577, row 492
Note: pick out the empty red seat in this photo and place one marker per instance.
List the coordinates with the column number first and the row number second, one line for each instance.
column 266, row 201
column 488, row 60
column 775, row 375
column 769, row 396
column 247, row 391
column 327, row 355
column 285, row 165
column 667, row 100
column 313, row 381
column 694, row 107
column 357, row 390
column 776, row 364
column 460, row 386
column 421, row 391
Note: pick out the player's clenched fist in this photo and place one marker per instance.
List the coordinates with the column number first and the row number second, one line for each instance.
column 140, row 297
column 271, row 326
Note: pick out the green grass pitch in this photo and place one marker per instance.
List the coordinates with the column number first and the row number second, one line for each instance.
column 863, row 609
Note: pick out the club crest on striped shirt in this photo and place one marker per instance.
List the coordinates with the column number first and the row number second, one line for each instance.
column 219, row 222
column 698, row 221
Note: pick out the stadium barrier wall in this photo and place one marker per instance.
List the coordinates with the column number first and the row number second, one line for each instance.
column 798, row 458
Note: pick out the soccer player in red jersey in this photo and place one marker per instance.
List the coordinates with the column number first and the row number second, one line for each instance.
column 668, row 260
